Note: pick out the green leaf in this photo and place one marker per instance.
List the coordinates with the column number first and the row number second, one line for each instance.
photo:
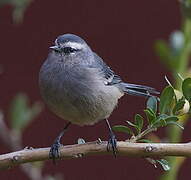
column 152, row 103
column 175, row 123
column 151, row 117
column 121, row 128
column 179, row 106
column 186, row 88
column 171, row 118
column 139, row 122
column 160, row 121
column 20, row 112
column 166, row 100
column 164, row 163
column 131, row 124
column 164, row 120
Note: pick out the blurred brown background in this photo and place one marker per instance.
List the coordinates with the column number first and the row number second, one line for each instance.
column 123, row 34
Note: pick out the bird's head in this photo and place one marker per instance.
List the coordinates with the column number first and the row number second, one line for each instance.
column 70, row 45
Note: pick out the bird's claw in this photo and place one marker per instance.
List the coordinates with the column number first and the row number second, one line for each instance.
column 54, row 151
column 112, row 144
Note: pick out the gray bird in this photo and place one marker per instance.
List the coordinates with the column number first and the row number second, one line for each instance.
column 79, row 87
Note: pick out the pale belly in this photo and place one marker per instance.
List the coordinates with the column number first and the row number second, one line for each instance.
column 84, row 108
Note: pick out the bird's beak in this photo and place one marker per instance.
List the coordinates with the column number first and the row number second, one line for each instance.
column 54, row 47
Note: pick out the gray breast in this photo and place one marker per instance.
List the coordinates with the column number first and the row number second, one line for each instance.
column 77, row 94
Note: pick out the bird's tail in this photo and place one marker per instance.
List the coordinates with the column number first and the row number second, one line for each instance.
column 138, row 90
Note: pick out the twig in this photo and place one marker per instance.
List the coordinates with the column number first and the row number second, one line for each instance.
column 78, row 150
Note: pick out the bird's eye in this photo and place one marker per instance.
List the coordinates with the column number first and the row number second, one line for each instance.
column 57, row 50
column 68, row 50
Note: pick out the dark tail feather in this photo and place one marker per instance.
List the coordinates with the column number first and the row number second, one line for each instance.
column 139, row 90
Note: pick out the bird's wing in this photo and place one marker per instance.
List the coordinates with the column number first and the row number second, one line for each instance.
column 113, row 79
column 106, row 71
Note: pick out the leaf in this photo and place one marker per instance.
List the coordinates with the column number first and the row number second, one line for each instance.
column 81, row 141
column 152, row 103
column 151, row 117
column 175, row 123
column 139, row 122
column 131, row 124
column 171, row 119
column 166, row 100
column 160, row 121
column 186, row 88
column 164, row 163
column 179, row 106
column 164, row 120
column 121, row 128
column 20, row 112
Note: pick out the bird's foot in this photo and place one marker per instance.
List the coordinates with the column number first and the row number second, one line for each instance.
column 112, row 144
column 54, row 151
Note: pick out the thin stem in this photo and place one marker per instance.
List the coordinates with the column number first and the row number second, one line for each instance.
column 142, row 134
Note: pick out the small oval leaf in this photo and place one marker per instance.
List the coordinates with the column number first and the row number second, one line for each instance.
column 175, row 123
column 152, row 103
column 151, row 117
column 179, row 106
column 186, row 88
column 121, row 128
column 166, row 100
column 139, row 122
column 171, row 118
column 131, row 124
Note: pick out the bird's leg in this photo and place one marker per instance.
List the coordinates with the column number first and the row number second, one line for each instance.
column 54, row 150
column 112, row 142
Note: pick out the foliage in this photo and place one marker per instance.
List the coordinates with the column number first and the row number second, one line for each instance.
column 171, row 108
column 21, row 114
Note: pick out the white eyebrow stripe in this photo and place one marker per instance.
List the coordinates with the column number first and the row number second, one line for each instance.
column 56, row 43
column 74, row 45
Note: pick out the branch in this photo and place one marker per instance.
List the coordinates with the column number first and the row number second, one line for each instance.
column 78, row 150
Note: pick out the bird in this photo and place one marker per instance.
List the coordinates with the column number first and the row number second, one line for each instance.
column 79, row 87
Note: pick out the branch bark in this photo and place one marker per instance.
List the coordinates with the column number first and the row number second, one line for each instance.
column 78, row 150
